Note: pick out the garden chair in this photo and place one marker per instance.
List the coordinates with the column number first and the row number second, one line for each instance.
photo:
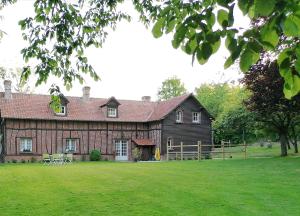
column 68, row 158
column 58, row 158
column 46, row 159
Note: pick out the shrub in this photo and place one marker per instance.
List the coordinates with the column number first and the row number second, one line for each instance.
column 136, row 154
column 33, row 160
column 95, row 155
column 14, row 161
column 23, row 161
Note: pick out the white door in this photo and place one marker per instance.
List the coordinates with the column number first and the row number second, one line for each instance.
column 121, row 150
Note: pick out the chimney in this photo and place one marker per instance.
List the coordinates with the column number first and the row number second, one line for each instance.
column 7, row 88
column 86, row 93
column 146, row 98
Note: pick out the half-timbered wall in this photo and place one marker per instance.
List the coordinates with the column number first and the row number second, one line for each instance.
column 50, row 136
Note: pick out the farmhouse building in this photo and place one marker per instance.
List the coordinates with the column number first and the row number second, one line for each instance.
column 29, row 127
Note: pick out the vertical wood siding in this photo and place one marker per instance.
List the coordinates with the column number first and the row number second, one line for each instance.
column 187, row 132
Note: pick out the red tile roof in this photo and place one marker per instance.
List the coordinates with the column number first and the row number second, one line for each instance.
column 35, row 106
column 143, row 142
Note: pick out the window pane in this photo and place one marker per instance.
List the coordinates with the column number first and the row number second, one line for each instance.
column 26, row 145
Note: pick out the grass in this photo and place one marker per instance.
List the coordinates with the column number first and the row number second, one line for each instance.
column 253, row 151
column 267, row 186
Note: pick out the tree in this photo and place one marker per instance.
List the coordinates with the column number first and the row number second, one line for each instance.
column 214, row 97
column 268, row 102
column 60, row 31
column 225, row 102
column 171, row 87
column 19, row 85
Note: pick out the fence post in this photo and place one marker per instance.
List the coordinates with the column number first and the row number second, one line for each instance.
column 181, row 150
column 167, row 152
column 223, row 153
column 245, row 146
column 199, row 150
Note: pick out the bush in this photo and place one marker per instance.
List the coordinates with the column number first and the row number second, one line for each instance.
column 23, row 161
column 14, row 161
column 33, row 160
column 136, row 154
column 95, row 155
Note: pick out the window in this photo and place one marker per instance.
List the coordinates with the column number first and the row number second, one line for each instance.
column 111, row 112
column 179, row 116
column 170, row 143
column 62, row 110
column 196, row 117
column 71, row 145
column 26, row 145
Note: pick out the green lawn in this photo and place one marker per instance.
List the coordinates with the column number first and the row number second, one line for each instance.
column 268, row 186
column 253, row 151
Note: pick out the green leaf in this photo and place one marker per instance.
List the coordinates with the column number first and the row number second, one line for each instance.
column 223, row 17
column 179, row 36
column 230, row 15
column 263, row 7
column 87, row 29
column 248, row 58
column 291, row 85
column 297, row 50
column 244, row 5
column 230, row 43
column 191, row 46
column 22, row 23
column 206, row 50
column 216, row 46
column 297, row 65
column 229, row 61
column 210, row 19
column 251, row 12
column 291, row 26
column 157, row 29
column 285, row 54
column 200, row 57
column 270, row 37
column 170, row 26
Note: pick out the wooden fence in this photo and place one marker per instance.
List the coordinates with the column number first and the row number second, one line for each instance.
column 202, row 151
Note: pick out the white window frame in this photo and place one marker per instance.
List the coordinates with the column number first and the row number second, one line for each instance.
column 198, row 117
column 62, row 110
column 112, row 112
column 26, row 145
column 170, row 143
column 179, row 117
column 69, row 143
column 121, row 150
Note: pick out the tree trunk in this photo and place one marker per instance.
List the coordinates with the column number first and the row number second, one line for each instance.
column 283, row 144
column 288, row 144
column 296, row 146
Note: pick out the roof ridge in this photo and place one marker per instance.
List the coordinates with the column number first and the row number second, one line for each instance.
column 70, row 96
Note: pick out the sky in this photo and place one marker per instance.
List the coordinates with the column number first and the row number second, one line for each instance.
column 131, row 63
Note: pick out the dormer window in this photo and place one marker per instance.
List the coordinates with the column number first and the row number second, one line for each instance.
column 111, row 107
column 112, row 112
column 59, row 105
column 179, row 116
column 62, row 110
